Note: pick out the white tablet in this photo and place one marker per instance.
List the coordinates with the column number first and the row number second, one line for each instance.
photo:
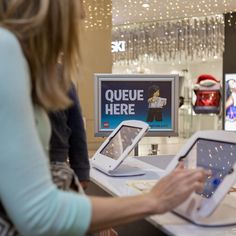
column 118, row 145
column 216, row 151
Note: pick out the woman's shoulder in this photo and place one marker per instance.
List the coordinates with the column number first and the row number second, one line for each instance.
column 9, row 42
column 13, row 64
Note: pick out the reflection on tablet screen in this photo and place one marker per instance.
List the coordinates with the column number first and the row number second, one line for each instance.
column 219, row 157
column 120, row 141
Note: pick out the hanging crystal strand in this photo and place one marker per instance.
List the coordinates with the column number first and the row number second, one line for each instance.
column 143, row 44
column 213, row 42
column 191, row 35
column 218, row 36
column 205, row 31
column 150, row 51
column 151, row 43
column 205, row 34
column 195, row 39
column 165, row 49
column 160, row 40
column 215, row 38
column 133, row 45
column 162, row 32
column 222, row 32
column 206, row 38
column 185, row 54
column 209, row 47
column 200, row 39
column 134, row 41
column 139, row 33
column 167, row 41
column 181, row 40
column 212, row 50
column 126, row 52
column 136, row 46
column 156, row 41
column 201, row 35
column 146, row 43
column 173, row 40
column 128, row 49
column 178, row 38
column 189, row 43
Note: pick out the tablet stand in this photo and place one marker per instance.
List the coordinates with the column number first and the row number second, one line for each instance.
column 126, row 170
column 224, row 215
column 136, row 150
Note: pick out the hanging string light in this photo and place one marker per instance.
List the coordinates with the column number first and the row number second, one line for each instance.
column 132, row 11
column 97, row 14
column 231, row 19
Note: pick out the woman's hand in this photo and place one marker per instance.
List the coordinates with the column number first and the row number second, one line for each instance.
column 167, row 194
column 175, row 188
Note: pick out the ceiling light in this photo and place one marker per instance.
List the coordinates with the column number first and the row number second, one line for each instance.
column 145, row 5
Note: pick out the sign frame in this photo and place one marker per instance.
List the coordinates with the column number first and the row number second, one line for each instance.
column 229, row 123
column 171, row 79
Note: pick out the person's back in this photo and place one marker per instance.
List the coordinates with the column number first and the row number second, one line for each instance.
column 68, row 139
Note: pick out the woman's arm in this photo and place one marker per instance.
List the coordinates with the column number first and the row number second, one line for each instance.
column 165, row 196
column 32, row 201
column 78, row 151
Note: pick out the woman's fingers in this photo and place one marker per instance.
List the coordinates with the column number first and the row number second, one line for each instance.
column 175, row 188
column 180, row 166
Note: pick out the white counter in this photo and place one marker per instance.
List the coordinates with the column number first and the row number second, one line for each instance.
column 169, row 223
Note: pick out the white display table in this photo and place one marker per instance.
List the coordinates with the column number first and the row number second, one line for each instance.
column 169, row 223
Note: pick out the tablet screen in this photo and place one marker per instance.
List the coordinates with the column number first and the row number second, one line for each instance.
column 219, row 157
column 120, row 141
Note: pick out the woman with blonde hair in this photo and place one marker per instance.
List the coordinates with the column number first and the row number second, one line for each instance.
column 32, row 36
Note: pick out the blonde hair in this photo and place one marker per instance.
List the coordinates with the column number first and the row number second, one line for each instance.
column 46, row 29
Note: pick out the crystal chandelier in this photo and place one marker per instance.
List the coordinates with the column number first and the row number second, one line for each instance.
column 170, row 41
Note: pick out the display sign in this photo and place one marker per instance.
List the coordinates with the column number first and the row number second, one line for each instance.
column 230, row 102
column 117, row 46
column 149, row 98
column 207, row 95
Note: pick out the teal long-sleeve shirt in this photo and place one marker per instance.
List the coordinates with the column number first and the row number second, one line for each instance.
column 32, row 201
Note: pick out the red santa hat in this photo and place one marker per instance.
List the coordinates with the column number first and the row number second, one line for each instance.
column 205, row 81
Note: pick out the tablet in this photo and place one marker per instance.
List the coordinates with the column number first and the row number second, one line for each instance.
column 118, row 145
column 211, row 150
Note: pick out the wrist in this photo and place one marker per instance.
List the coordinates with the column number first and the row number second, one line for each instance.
column 151, row 203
